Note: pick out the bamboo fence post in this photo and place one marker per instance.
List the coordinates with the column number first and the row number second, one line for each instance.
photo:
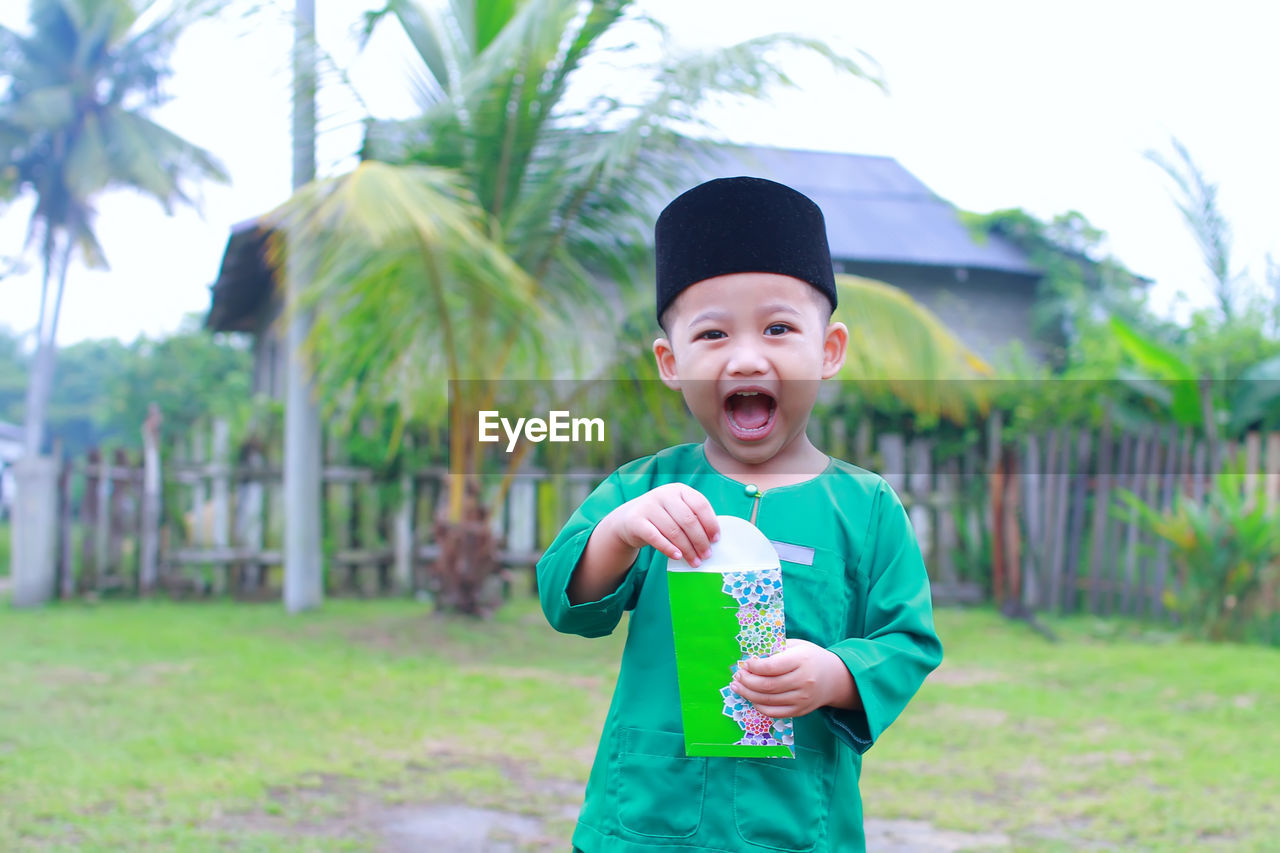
column 948, row 540
column 1200, row 472
column 1059, row 483
column 118, row 526
column 1031, row 478
column 1150, row 497
column 1252, row 467
column 149, row 533
column 1049, row 510
column 1131, row 529
column 920, row 483
column 250, row 502
column 1101, row 513
column 862, row 444
column 1168, row 492
column 1125, row 442
column 221, row 477
column 404, row 537
column 838, row 439
column 1272, row 478
column 977, row 514
column 102, row 518
column 892, row 451
column 1075, row 533
column 66, row 569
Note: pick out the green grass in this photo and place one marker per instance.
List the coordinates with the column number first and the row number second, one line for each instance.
column 190, row 726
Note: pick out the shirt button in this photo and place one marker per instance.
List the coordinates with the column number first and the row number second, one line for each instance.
column 750, row 490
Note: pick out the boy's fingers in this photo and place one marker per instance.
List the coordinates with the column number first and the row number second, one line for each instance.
column 651, row 535
column 765, row 685
column 691, row 525
column 670, row 528
column 702, row 509
column 771, row 704
column 778, row 664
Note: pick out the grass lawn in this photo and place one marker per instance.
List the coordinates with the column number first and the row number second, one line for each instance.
column 193, row 726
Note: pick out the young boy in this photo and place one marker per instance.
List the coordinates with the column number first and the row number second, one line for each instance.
column 745, row 296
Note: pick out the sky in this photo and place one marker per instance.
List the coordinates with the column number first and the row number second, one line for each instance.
column 1047, row 106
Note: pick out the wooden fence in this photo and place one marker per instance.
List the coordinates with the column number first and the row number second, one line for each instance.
column 1032, row 519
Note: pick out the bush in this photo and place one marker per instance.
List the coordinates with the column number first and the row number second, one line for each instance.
column 1227, row 551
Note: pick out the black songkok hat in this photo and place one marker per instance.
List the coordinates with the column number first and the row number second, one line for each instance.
column 742, row 224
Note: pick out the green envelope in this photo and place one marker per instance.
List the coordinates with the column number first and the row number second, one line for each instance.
column 726, row 610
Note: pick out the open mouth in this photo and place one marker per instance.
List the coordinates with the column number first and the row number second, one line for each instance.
column 750, row 413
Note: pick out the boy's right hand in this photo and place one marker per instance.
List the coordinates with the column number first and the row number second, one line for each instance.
column 675, row 519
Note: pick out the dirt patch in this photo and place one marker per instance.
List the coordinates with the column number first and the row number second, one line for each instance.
column 950, row 675
column 918, row 836
column 402, row 815
column 981, row 717
column 446, row 828
column 1119, row 758
column 72, row 676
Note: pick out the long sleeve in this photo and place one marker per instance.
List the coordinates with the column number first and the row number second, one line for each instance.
column 899, row 646
column 555, row 569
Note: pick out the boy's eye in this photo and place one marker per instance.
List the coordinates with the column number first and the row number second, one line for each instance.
column 777, row 329
column 709, row 335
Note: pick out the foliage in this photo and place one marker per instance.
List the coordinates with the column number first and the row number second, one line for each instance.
column 75, row 91
column 106, row 386
column 1082, row 285
column 1197, row 201
column 189, row 375
column 1227, row 549
column 14, row 369
column 1224, row 360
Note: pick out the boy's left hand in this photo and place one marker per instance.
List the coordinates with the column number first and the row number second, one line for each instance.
column 796, row 681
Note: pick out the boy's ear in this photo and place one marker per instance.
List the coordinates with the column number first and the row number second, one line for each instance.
column 834, row 349
column 666, row 359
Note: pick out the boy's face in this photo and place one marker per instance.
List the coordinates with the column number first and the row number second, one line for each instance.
column 747, row 350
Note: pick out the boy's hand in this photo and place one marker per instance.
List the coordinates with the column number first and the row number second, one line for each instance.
column 675, row 519
column 796, row 681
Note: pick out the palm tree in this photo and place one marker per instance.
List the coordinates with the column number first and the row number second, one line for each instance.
column 73, row 124
column 504, row 234
column 74, row 95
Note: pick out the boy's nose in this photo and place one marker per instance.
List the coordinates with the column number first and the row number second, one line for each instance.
column 746, row 360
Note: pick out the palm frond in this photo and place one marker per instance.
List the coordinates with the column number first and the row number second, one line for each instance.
column 403, row 250
column 899, row 347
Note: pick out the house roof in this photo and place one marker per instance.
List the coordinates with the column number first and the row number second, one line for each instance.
column 244, row 283
column 876, row 211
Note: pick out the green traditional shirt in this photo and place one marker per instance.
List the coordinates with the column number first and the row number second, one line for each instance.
column 854, row 582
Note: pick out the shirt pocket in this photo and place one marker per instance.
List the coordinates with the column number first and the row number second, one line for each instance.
column 781, row 804
column 659, row 789
column 816, row 597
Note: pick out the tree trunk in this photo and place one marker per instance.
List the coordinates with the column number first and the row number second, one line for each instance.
column 303, row 463
column 40, row 383
column 35, row 527
column 467, row 577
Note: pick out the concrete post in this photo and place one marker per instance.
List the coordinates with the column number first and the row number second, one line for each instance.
column 35, row 525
